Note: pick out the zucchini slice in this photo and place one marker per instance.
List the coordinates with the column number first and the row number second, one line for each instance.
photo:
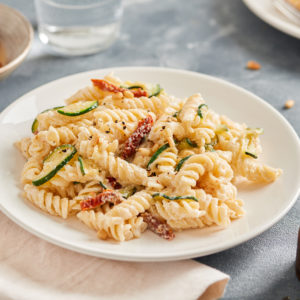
column 56, row 160
column 35, row 124
column 160, row 196
column 154, row 90
column 157, row 153
column 181, row 162
column 221, row 129
column 128, row 191
column 132, row 87
column 77, row 109
column 81, row 165
column 199, row 111
column 186, row 144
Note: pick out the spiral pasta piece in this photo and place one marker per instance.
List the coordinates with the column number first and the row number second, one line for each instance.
column 258, row 172
column 23, row 146
column 133, row 206
column 176, row 210
column 186, row 223
column 48, row 202
column 30, row 170
column 58, row 136
column 39, row 147
column 156, row 105
column 166, row 162
column 107, row 227
column 189, row 112
column 85, row 94
column 125, row 172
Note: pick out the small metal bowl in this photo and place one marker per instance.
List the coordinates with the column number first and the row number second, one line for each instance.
column 16, row 36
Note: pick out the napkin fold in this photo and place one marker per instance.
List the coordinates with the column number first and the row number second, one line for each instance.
column 32, row 269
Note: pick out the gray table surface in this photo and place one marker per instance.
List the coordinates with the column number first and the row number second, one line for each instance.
column 215, row 37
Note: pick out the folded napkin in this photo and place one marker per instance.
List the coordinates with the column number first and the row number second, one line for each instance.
column 31, row 268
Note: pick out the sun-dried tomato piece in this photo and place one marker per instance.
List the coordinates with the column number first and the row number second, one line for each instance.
column 106, row 196
column 110, row 87
column 139, row 93
column 107, row 86
column 158, row 227
column 143, row 128
column 114, row 183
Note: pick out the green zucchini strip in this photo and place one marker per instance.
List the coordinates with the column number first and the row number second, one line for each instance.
column 191, row 143
column 181, row 162
column 77, row 109
column 155, row 91
column 156, row 195
column 55, row 161
column 199, row 112
column 103, row 185
column 135, row 87
column 127, row 191
column 35, row 124
column 157, row 153
column 81, row 165
column 186, row 143
column 251, row 154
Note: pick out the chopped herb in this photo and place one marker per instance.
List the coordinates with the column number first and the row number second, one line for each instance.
column 160, row 195
column 181, row 162
column 251, row 154
column 102, row 185
column 176, row 114
column 157, row 153
column 199, row 112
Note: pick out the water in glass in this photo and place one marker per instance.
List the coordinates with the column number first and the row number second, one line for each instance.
column 78, row 27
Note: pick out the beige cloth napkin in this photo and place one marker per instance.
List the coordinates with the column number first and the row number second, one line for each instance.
column 33, row 269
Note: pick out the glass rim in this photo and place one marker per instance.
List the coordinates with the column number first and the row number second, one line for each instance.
column 73, row 6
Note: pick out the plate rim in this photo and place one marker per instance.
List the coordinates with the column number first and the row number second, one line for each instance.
column 139, row 257
column 287, row 27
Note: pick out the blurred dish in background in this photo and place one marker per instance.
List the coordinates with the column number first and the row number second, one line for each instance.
column 266, row 10
column 78, row 27
column 16, row 35
column 290, row 8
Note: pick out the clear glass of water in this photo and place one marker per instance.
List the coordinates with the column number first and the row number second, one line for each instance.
column 78, row 27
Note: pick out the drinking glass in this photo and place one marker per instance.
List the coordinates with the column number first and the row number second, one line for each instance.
column 78, row 27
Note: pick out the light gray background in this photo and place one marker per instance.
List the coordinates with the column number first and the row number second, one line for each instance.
column 215, row 37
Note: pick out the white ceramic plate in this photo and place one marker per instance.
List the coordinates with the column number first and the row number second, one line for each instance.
column 265, row 205
column 266, row 11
